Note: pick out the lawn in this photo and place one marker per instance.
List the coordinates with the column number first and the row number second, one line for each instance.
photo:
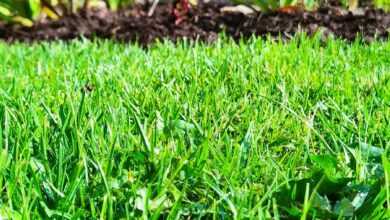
column 249, row 130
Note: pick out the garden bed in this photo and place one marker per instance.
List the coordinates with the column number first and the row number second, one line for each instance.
column 203, row 22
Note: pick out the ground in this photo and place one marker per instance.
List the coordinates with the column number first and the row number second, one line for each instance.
column 204, row 23
column 255, row 129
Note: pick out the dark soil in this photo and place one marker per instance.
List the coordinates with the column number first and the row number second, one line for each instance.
column 203, row 23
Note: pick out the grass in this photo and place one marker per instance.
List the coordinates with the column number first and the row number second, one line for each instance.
column 255, row 130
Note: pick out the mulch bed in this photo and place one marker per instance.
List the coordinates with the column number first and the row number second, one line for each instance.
column 202, row 23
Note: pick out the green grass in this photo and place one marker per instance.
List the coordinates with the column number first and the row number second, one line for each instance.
column 255, row 130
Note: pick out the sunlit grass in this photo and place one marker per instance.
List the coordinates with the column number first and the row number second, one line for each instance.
column 228, row 130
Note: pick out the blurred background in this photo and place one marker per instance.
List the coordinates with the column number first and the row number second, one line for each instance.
column 25, row 12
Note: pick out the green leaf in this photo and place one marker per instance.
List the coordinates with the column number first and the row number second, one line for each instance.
column 361, row 196
column 113, row 4
column 327, row 163
column 344, row 208
column 5, row 11
column 371, row 151
column 373, row 205
column 35, row 8
column 321, row 202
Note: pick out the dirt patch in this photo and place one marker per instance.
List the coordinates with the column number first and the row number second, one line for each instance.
column 203, row 23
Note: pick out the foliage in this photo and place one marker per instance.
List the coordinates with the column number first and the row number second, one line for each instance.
column 385, row 4
column 328, row 194
column 268, row 5
column 247, row 130
column 25, row 11
column 19, row 10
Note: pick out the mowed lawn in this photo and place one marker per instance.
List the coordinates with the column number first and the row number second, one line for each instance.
column 250, row 130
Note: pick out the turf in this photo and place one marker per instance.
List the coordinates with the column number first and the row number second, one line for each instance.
column 249, row 130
